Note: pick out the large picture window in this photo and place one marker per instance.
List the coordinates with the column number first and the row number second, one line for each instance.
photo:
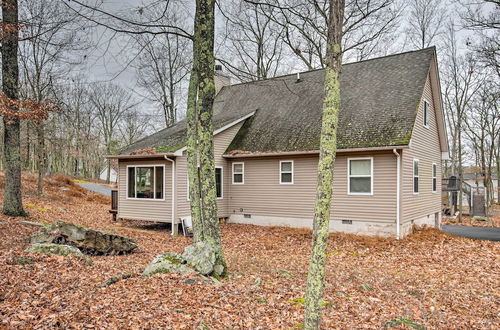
column 360, row 179
column 415, row 176
column 145, row 182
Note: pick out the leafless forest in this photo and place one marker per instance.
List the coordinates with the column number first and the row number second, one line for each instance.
column 255, row 39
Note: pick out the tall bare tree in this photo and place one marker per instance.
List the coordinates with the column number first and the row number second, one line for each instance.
column 252, row 42
column 52, row 37
column 201, row 167
column 482, row 123
column 111, row 103
column 305, row 26
column 328, row 150
column 12, row 199
column 482, row 17
column 461, row 81
column 425, row 21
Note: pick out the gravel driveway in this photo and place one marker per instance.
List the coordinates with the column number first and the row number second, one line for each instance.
column 103, row 190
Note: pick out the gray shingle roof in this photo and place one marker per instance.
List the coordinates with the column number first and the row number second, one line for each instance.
column 379, row 100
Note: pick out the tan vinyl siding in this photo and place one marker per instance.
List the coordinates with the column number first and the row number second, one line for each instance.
column 221, row 142
column 145, row 209
column 262, row 195
column 425, row 147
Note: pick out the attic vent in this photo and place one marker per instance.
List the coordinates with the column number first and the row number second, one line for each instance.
column 218, row 68
column 248, row 216
column 347, row 222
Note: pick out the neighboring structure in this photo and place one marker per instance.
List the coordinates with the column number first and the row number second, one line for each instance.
column 391, row 140
column 113, row 174
column 477, row 181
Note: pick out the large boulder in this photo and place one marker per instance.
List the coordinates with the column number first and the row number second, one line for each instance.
column 50, row 248
column 168, row 262
column 86, row 239
column 201, row 256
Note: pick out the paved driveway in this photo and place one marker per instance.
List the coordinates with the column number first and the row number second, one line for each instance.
column 103, row 190
column 482, row 233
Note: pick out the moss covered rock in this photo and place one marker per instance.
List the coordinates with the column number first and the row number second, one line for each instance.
column 50, row 248
column 86, row 239
column 168, row 262
column 201, row 256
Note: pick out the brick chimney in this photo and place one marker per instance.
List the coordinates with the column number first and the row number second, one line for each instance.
column 220, row 78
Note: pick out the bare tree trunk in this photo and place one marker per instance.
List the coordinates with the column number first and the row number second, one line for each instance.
column 200, row 132
column 460, row 173
column 498, row 170
column 42, row 157
column 12, row 201
column 328, row 148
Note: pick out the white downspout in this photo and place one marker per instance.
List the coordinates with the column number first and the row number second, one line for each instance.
column 398, row 171
column 174, row 231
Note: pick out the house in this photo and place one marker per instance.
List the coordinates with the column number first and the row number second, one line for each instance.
column 113, row 174
column 387, row 176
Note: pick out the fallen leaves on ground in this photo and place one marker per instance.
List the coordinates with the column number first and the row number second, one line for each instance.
column 429, row 279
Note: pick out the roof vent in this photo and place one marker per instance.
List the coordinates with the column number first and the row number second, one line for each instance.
column 298, row 77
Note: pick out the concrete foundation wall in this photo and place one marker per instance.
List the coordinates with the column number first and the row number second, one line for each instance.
column 368, row 228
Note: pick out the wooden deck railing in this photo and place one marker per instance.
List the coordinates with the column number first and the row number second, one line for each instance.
column 114, row 203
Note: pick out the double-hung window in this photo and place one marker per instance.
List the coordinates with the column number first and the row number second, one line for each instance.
column 415, row 176
column 286, row 172
column 238, row 173
column 426, row 113
column 145, row 182
column 434, row 177
column 360, row 171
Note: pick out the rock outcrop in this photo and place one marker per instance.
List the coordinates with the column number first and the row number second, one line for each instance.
column 86, row 239
column 168, row 262
column 197, row 258
column 50, row 248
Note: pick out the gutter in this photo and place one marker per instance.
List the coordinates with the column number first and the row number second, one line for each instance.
column 308, row 152
column 160, row 155
column 174, row 232
column 398, row 184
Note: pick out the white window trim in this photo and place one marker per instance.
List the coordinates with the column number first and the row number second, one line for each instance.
column 426, row 124
column 372, row 176
column 415, row 176
column 434, row 177
column 221, row 183
column 287, row 161
column 154, row 183
column 242, row 173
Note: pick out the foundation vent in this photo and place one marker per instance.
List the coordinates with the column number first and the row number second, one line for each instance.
column 248, row 216
column 347, row 222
